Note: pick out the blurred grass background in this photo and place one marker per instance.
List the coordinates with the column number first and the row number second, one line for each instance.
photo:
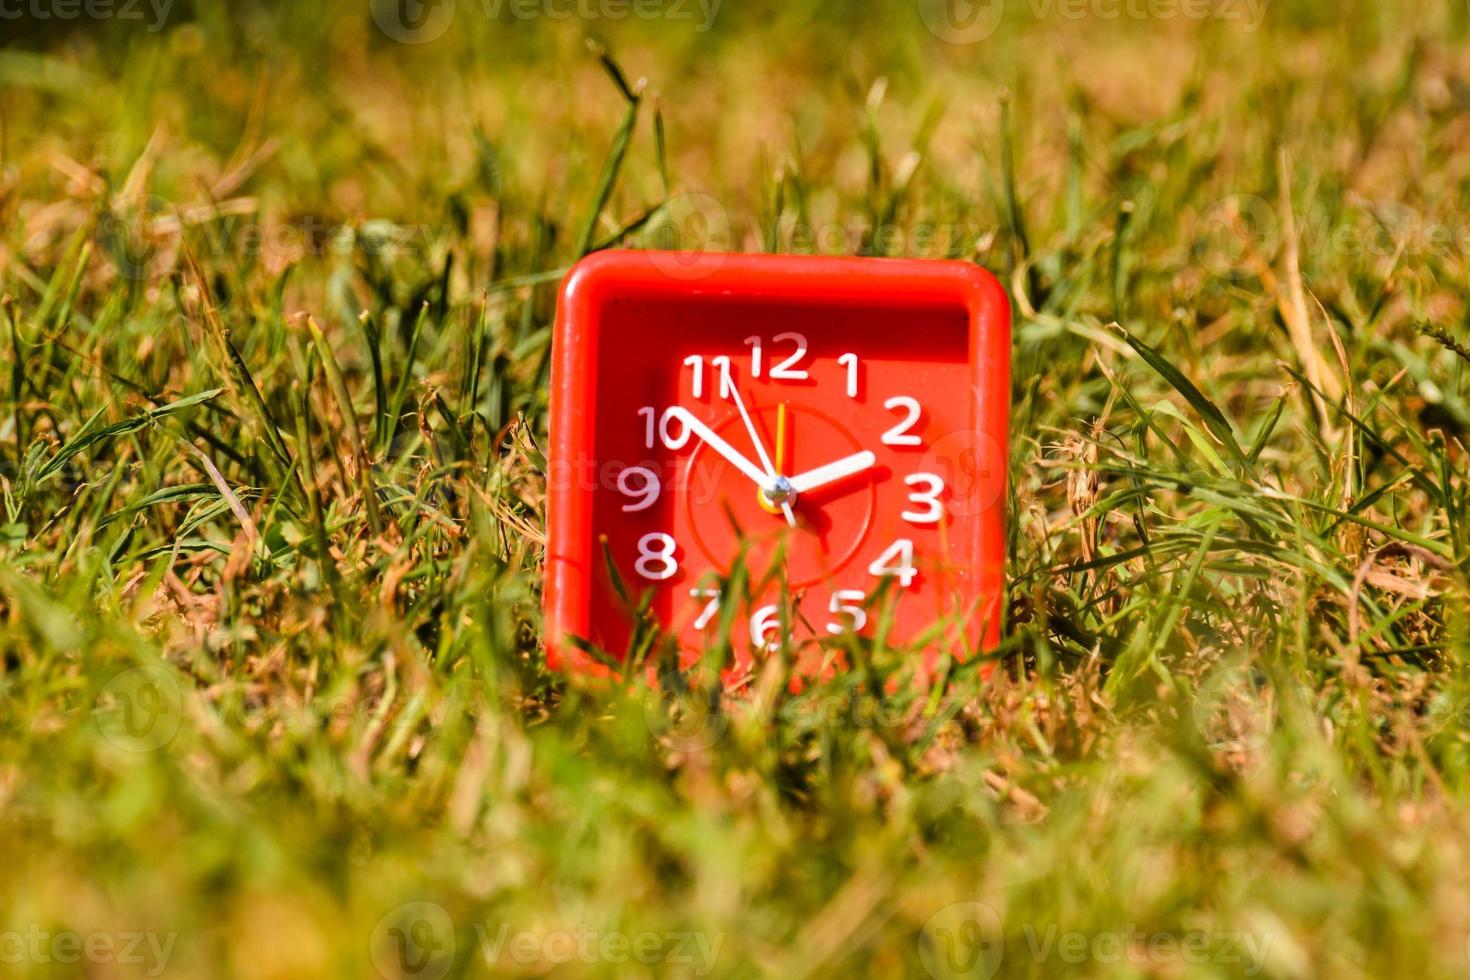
column 273, row 704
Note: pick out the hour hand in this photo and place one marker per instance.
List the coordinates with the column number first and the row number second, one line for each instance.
column 712, row 439
column 832, row 472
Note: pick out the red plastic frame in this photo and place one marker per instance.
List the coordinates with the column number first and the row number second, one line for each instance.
column 571, row 555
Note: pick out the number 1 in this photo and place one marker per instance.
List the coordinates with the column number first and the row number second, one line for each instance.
column 850, row 361
column 697, row 363
column 754, row 343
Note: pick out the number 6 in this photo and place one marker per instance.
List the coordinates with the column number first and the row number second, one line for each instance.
column 765, row 622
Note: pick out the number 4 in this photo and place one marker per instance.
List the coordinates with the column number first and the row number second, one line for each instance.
column 897, row 561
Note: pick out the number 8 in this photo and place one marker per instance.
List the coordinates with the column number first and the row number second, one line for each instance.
column 657, row 549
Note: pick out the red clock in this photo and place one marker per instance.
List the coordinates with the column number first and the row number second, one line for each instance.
column 787, row 449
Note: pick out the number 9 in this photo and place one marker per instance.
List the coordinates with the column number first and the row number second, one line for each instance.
column 648, row 490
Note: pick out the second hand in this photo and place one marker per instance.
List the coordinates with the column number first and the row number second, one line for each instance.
column 734, row 394
column 781, row 450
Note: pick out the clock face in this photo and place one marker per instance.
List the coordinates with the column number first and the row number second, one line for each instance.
column 775, row 466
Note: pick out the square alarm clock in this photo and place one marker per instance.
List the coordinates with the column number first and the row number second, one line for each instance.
column 834, row 429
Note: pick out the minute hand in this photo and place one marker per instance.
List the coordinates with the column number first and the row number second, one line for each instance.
column 832, row 472
column 729, row 452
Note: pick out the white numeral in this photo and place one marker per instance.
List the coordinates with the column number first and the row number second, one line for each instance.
column 844, row 603
column 647, row 487
column 727, row 377
column 672, row 442
column 754, row 343
column 929, row 499
column 711, row 608
column 697, row 363
column 657, row 550
column 897, row 561
column 767, row 620
column 850, row 361
column 787, row 369
column 649, row 415
column 898, row 435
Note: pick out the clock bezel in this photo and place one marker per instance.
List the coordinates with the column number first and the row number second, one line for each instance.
column 572, row 556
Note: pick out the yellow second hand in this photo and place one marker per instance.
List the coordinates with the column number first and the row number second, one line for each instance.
column 766, row 505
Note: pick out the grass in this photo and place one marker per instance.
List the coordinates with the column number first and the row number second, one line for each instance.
column 278, row 293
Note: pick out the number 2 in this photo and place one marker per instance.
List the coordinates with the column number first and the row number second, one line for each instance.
column 899, row 434
column 787, row 369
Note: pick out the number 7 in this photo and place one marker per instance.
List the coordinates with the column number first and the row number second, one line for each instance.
column 711, row 608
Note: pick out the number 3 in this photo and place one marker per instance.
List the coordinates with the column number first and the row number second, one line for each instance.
column 929, row 499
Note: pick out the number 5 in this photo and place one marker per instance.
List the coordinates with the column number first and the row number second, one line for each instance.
column 842, row 606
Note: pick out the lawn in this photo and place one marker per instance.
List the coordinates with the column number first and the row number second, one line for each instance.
column 278, row 284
